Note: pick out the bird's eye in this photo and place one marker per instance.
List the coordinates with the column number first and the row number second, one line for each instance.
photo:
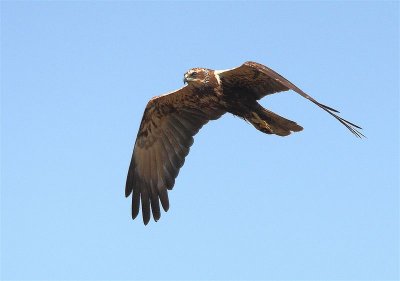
column 193, row 74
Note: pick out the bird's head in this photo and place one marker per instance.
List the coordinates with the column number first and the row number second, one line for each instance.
column 196, row 76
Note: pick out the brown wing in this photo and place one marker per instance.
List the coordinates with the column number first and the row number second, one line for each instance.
column 258, row 81
column 163, row 141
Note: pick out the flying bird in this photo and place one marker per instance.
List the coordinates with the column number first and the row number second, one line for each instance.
column 171, row 120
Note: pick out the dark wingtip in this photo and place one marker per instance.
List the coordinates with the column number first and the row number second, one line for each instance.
column 129, row 181
column 156, row 214
column 349, row 125
column 165, row 207
column 128, row 191
column 164, row 199
column 134, row 215
column 327, row 107
column 146, row 217
column 135, row 204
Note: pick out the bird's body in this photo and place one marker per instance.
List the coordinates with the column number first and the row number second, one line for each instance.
column 170, row 122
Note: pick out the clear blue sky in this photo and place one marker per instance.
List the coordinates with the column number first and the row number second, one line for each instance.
column 320, row 204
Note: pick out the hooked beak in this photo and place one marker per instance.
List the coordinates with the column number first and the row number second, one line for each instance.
column 187, row 79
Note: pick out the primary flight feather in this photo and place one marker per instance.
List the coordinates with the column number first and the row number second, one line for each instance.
column 170, row 121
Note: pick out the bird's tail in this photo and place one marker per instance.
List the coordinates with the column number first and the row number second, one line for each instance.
column 271, row 123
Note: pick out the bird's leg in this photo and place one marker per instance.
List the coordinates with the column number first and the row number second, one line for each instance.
column 263, row 125
column 271, row 123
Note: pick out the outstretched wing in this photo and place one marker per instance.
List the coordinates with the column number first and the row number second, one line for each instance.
column 257, row 80
column 163, row 141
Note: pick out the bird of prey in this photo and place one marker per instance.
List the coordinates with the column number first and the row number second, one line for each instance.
column 171, row 120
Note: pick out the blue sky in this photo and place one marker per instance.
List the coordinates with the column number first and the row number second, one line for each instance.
column 320, row 204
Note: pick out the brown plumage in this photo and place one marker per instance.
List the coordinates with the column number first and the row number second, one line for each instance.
column 170, row 121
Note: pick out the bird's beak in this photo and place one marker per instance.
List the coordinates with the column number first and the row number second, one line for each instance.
column 187, row 79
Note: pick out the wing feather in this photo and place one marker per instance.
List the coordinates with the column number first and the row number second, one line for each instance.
column 164, row 199
column 164, row 140
column 155, row 207
column 184, row 129
column 175, row 151
column 172, row 154
column 257, row 80
column 144, row 197
column 135, row 200
column 175, row 139
column 181, row 132
column 168, row 167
